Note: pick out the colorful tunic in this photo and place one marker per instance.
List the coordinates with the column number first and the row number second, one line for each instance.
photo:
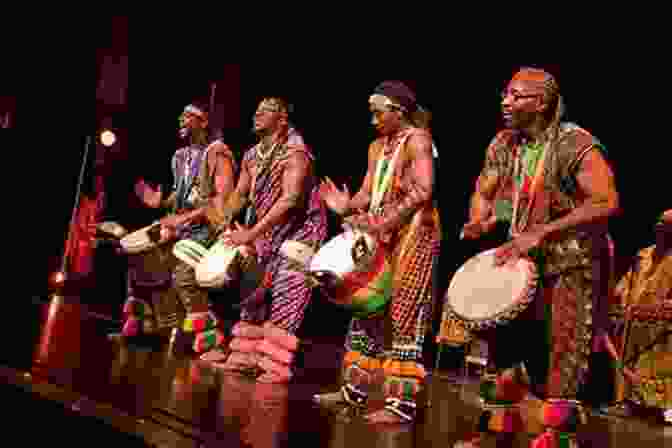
column 576, row 265
column 395, row 341
column 306, row 222
column 536, row 184
column 646, row 295
column 194, row 184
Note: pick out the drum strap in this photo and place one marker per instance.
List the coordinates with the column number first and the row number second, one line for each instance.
column 383, row 176
column 537, row 180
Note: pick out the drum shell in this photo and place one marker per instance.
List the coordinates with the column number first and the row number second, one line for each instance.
column 363, row 287
column 517, row 303
column 141, row 240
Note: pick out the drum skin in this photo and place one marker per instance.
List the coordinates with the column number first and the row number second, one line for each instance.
column 142, row 240
column 484, row 296
column 362, row 287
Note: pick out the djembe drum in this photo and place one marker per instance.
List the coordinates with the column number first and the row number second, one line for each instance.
column 483, row 296
column 354, row 272
column 220, row 265
column 143, row 240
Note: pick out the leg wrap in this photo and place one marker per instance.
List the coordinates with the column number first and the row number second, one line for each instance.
column 244, row 353
column 277, row 354
column 138, row 318
column 404, row 381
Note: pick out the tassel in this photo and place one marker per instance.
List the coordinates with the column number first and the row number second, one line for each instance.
column 207, row 340
column 196, row 323
column 131, row 327
column 506, row 420
column 545, row 440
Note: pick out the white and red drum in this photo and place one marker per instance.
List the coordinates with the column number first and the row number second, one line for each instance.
column 190, row 252
column 220, row 265
column 223, row 264
column 143, row 239
column 354, row 271
column 484, row 296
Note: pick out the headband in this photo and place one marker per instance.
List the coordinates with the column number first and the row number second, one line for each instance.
column 383, row 102
column 195, row 110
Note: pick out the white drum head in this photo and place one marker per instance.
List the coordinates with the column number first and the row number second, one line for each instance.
column 481, row 290
column 297, row 251
column 189, row 252
column 137, row 241
column 214, row 268
column 112, row 228
column 336, row 255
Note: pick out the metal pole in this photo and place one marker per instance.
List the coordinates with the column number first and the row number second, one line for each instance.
column 74, row 209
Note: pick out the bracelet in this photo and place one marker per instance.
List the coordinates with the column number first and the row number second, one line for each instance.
column 617, row 364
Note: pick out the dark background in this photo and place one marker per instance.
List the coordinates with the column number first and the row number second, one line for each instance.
column 53, row 92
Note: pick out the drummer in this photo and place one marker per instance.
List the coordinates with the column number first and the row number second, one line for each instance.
column 550, row 181
column 644, row 291
column 395, row 203
column 201, row 173
column 278, row 185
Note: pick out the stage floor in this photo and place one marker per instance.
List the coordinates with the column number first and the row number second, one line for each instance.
column 65, row 355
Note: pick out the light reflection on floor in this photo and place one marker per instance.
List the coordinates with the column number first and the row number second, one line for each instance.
column 233, row 411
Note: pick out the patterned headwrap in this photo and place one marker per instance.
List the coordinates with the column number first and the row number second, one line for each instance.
column 394, row 94
column 193, row 109
column 397, row 95
column 275, row 104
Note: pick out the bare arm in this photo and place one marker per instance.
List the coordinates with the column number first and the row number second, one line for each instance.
column 226, row 206
column 597, row 195
column 223, row 180
column 420, row 188
column 293, row 185
column 482, row 216
column 362, row 198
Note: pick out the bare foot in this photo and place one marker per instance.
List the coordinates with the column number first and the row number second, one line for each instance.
column 468, row 443
column 384, row 417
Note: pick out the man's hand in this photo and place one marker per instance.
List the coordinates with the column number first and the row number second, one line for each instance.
column 240, row 236
column 519, row 246
column 473, row 230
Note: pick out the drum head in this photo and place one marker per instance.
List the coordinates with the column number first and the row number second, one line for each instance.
column 112, row 228
column 215, row 268
column 140, row 240
column 480, row 291
column 337, row 255
column 189, row 252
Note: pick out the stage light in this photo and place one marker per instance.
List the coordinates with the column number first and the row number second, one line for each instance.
column 58, row 279
column 107, row 137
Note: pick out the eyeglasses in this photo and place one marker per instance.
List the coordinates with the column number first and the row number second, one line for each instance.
column 517, row 96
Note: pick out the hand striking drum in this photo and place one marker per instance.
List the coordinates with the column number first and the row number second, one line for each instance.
column 382, row 268
column 286, row 221
column 550, row 181
column 202, row 173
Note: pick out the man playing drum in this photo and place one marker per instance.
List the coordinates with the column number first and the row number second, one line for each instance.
column 645, row 292
column 277, row 181
column 394, row 204
column 202, row 173
column 550, row 181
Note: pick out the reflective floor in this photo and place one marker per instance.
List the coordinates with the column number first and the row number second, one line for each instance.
column 171, row 401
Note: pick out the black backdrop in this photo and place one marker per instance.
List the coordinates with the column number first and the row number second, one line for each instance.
column 55, row 87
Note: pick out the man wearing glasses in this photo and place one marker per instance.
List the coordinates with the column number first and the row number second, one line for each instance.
column 550, row 181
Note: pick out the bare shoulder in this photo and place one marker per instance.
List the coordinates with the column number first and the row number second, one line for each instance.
column 420, row 142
